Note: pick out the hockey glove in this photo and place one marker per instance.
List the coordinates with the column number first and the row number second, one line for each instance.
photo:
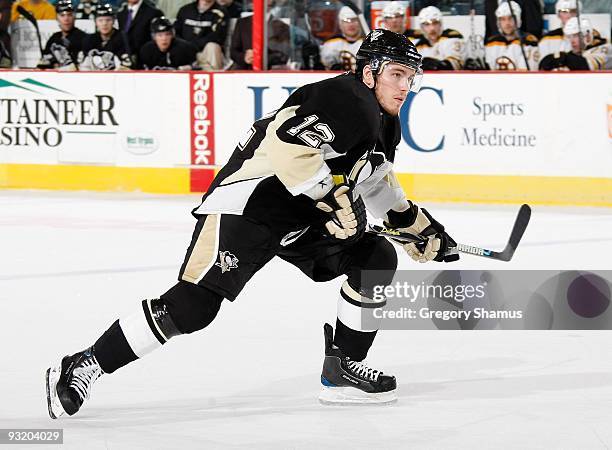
column 345, row 216
column 418, row 221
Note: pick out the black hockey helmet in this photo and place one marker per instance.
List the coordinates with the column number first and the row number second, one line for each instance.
column 63, row 6
column 104, row 10
column 382, row 46
column 161, row 24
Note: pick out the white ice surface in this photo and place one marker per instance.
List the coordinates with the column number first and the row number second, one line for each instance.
column 71, row 263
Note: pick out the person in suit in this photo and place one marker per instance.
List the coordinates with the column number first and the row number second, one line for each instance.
column 135, row 23
column 241, row 50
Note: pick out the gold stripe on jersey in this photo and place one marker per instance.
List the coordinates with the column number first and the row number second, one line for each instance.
column 204, row 253
column 293, row 164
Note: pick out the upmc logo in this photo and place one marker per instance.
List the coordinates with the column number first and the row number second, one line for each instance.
column 202, row 119
column 408, row 134
column 433, row 122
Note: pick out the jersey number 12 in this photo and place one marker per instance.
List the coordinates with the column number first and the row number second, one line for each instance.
column 321, row 133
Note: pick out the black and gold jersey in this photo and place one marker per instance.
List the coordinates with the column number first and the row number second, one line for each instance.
column 334, row 126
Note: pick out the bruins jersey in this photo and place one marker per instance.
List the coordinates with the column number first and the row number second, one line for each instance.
column 450, row 47
column 334, row 126
column 338, row 53
column 502, row 54
column 598, row 55
column 554, row 42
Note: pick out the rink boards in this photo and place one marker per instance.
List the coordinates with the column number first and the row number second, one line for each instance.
column 477, row 137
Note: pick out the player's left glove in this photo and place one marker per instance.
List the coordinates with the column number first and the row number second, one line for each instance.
column 418, row 221
column 345, row 215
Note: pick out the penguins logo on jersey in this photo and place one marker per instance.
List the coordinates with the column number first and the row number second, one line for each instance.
column 102, row 60
column 227, row 261
column 61, row 54
column 367, row 165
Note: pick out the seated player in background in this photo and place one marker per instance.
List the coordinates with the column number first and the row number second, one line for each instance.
column 40, row 9
column 555, row 41
column 511, row 49
column 338, row 52
column 297, row 186
column 134, row 22
column 105, row 49
column 166, row 51
column 590, row 53
column 394, row 17
column 441, row 49
column 63, row 47
column 204, row 24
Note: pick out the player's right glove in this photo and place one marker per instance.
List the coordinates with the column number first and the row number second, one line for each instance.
column 418, row 221
column 345, row 216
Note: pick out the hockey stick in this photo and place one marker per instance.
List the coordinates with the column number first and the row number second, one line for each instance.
column 520, row 225
column 364, row 25
column 30, row 18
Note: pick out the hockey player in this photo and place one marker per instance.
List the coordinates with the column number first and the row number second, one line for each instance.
column 297, row 186
column 593, row 53
column 441, row 49
column 338, row 52
column 63, row 47
column 166, row 51
column 105, row 49
column 394, row 17
column 554, row 41
column 511, row 49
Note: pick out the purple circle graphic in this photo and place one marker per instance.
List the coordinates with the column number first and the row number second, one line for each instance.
column 588, row 295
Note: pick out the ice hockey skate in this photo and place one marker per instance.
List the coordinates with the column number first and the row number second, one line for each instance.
column 352, row 382
column 69, row 384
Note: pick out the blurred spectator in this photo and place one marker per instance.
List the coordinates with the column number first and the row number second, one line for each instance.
column 166, row 51
column 40, row 9
column 511, row 49
column 531, row 19
column 554, row 41
column 394, row 17
column 241, row 50
column 86, row 9
column 135, row 23
column 441, row 49
column 171, row 7
column 592, row 53
column 105, row 49
column 338, row 52
column 63, row 47
column 234, row 8
column 5, row 38
column 204, row 23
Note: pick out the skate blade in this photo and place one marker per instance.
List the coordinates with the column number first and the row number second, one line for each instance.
column 352, row 396
column 53, row 403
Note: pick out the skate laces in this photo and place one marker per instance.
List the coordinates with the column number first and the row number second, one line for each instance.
column 361, row 369
column 84, row 376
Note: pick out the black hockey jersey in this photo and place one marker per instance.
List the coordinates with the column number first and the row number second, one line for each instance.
column 202, row 28
column 334, row 126
column 98, row 54
column 180, row 54
column 63, row 51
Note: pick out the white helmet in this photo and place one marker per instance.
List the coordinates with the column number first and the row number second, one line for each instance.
column 393, row 9
column 504, row 10
column 567, row 5
column 571, row 26
column 346, row 14
column 430, row 14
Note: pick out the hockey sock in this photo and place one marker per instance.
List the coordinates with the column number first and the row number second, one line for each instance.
column 355, row 336
column 112, row 349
